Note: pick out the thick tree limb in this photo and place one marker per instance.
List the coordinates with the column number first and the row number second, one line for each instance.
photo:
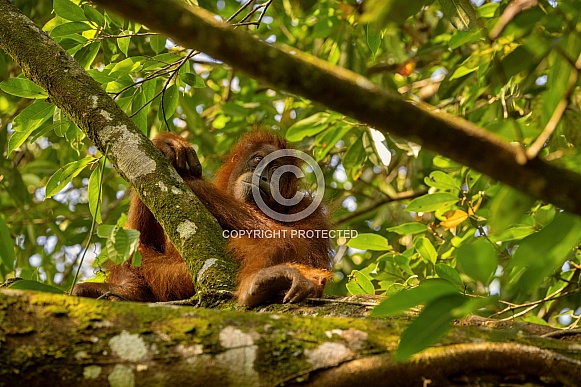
column 49, row 339
column 193, row 230
column 354, row 95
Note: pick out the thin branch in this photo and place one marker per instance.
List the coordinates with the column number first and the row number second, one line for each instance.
column 374, row 206
column 533, row 150
column 101, row 37
column 533, row 304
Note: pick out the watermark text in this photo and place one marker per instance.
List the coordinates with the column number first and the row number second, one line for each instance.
column 289, row 233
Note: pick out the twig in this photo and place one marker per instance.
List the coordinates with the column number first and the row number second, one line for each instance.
column 562, row 332
column 373, row 207
column 509, row 13
column 533, row 304
column 101, row 37
column 332, row 301
column 533, row 150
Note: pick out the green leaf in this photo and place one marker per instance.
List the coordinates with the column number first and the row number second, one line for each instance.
column 136, row 259
column 7, row 256
column 307, row 127
column 449, row 273
column 29, row 120
column 120, row 244
column 354, row 158
column 126, row 66
column 86, row 55
column 35, row 285
column 462, row 38
column 425, row 292
column 359, row 283
column 395, row 11
column 373, row 40
column 326, row 141
column 369, row 242
column 507, row 208
column 68, row 10
column 430, row 326
column 65, row 174
column 460, row 13
column 93, row 15
column 512, row 234
column 139, row 116
column 22, row 87
column 95, row 192
column 426, row 249
column 441, row 180
column 157, row 43
column 545, row 251
column 432, row 202
column 170, row 101
column 410, row 228
column 123, row 43
column 193, row 80
column 72, row 28
column 478, row 259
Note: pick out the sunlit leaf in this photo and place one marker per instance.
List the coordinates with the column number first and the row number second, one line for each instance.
column 409, row 228
column 369, row 242
column 359, row 283
column 326, row 141
column 307, row 127
column 29, row 120
column 441, row 180
column 95, row 191
column 123, row 43
column 432, row 202
column 426, row 250
column 65, row 174
column 72, row 28
column 68, row 10
column 22, row 87
column 454, row 218
column 157, row 43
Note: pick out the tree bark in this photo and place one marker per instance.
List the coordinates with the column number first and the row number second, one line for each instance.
column 49, row 339
column 341, row 90
column 192, row 229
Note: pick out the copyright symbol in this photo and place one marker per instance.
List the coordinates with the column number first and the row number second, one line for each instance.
column 275, row 185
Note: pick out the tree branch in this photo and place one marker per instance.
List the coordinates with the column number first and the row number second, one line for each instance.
column 192, row 229
column 354, row 95
column 49, row 339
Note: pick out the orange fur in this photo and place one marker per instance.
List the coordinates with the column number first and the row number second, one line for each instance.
column 273, row 263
